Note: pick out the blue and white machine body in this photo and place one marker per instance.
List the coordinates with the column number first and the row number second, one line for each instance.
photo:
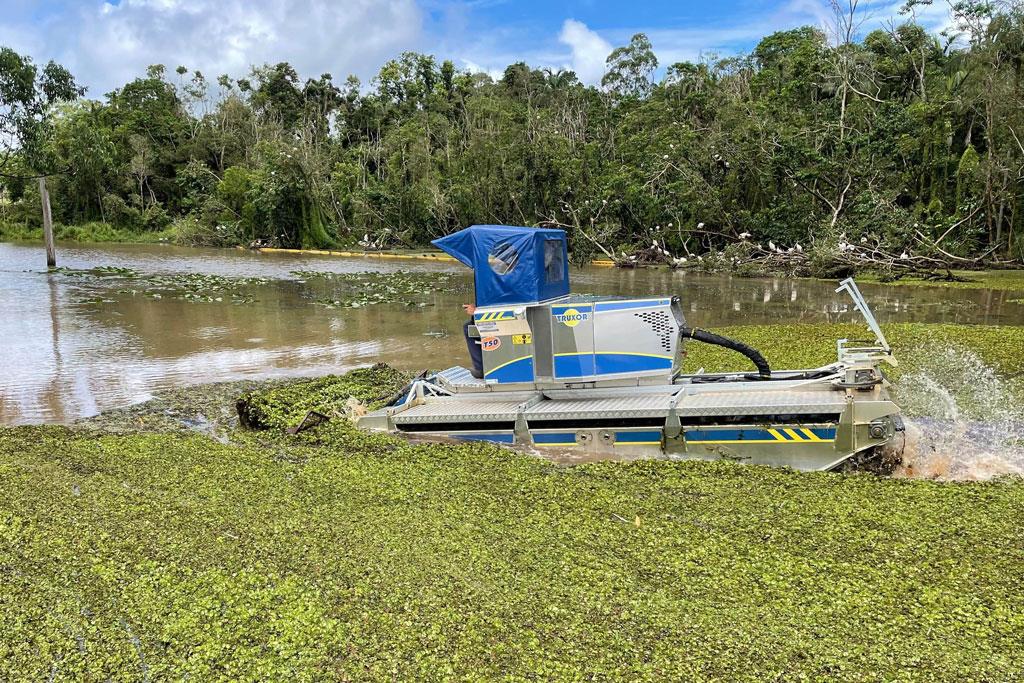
column 533, row 331
column 584, row 377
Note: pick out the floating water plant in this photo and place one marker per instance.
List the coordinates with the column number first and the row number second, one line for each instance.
column 355, row 290
column 199, row 287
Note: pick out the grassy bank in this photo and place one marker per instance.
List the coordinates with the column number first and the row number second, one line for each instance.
column 1010, row 280
column 87, row 232
column 160, row 554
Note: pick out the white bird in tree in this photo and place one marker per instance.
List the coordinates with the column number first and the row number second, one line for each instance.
column 771, row 246
column 799, row 249
column 904, row 256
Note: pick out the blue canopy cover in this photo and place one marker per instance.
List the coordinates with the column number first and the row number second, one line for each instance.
column 512, row 265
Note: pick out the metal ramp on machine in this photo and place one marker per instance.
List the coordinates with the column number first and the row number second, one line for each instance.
column 459, row 377
column 451, row 409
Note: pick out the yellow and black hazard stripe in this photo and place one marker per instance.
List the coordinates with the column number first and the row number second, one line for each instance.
column 765, row 435
column 798, row 434
column 492, row 316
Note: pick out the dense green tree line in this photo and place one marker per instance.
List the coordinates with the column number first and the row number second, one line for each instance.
column 814, row 137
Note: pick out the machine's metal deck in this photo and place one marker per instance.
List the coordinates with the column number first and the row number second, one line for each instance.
column 689, row 401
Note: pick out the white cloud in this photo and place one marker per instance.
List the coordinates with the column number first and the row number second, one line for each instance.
column 584, row 50
column 691, row 43
column 589, row 50
column 105, row 45
column 474, row 68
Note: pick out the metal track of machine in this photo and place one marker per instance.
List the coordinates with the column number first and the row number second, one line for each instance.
column 602, row 376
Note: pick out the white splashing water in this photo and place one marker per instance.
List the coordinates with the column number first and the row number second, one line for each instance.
column 964, row 421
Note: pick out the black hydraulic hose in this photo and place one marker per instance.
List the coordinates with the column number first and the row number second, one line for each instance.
column 750, row 352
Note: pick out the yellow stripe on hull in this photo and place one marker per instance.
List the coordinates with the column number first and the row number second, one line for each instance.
column 775, row 441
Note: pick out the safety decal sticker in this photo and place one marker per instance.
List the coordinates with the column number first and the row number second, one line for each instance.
column 490, row 343
column 494, row 316
column 520, row 339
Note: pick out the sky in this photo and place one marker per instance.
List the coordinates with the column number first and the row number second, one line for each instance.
column 107, row 43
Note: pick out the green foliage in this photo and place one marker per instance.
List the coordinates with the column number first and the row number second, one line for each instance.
column 896, row 137
column 85, row 232
column 196, row 182
column 27, row 96
column 630, row 68
column 190, row 231
column 967, row 174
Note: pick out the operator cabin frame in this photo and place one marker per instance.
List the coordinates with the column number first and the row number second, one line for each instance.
column 534, row 333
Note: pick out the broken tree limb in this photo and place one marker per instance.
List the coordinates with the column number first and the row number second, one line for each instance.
column 312, row 419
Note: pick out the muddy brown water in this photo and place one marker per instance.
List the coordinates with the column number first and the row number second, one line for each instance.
column 74, row 346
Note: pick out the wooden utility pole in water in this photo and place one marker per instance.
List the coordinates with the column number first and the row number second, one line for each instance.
column 44, row 197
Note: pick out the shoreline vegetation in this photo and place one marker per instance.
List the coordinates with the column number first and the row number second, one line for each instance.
column 820, row 152
column 1010, row 279
column 163, row 538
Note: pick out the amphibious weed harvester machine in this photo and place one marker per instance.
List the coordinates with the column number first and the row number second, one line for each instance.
column 602, row 376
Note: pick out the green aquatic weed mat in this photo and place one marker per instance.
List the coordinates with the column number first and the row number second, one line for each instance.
column 810, row 345
column 162, row 556
column 339, row 555
column 331, row 396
